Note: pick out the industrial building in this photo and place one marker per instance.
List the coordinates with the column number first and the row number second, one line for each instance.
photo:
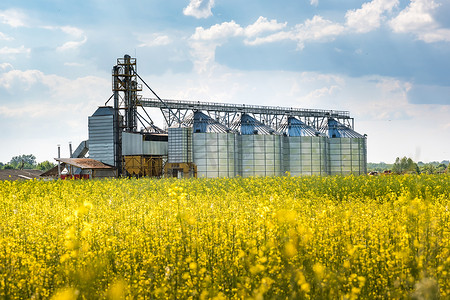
column 203, row 139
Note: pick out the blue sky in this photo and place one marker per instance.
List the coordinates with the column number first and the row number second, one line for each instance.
column 386, row 61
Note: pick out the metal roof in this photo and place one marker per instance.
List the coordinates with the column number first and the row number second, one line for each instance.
column 201, row 122
column 104, row 111
column 85, row 163
column 334, row 129
column 249, row 125
column 295, row 127
column 13, row 174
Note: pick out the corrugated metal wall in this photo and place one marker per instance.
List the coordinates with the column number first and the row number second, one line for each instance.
column 305, row 155
column 260, row 155
column 134, row 144
column 180, row 145
column 101, row 138
column 215, row 154
column 347, row 156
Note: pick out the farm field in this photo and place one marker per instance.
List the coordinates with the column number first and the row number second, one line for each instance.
column 385, row 237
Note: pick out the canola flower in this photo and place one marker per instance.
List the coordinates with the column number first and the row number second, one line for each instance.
column 242, row 238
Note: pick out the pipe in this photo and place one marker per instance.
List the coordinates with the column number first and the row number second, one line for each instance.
column 70, row 150
column 59, row 163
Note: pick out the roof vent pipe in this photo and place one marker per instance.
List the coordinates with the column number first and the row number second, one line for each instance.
column 59, row 164
column 70, row 149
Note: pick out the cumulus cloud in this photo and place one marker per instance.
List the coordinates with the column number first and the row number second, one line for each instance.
column 199, row 8
column 369, row 16
column 71, row 45
column 36, row 84
column 75, row 33
column 263, row 25
column 19, row 50
column 418, row 18
column 24, row 79
column 153, row 40
column 217, row 32
column 5, row 37
column 5, row 66
column 315, row 29
column 205, row 41
column 13, row 18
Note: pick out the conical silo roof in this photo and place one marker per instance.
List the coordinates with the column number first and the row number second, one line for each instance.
column 334, row 129
column 295, row 127
column 201, row 122
column 248, row 125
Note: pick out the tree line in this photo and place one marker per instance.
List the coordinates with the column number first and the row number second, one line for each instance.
column 27, row 161
column 406, row 165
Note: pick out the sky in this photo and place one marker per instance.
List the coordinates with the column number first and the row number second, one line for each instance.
column 387, row 62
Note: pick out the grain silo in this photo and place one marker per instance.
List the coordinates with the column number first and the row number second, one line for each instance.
column 221, row 139
column 346, row 148
column 104, row 136
column 214, row 147
column 180, row 160
column 305, row 149
column 260, row 148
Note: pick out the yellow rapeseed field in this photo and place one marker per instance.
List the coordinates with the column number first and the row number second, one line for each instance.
column 385, row 237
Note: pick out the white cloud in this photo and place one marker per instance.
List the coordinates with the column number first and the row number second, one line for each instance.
column 19, row 50
column 154, row 40
column 314, row 2
column 369, row 16
column 418, row 18
column 73, row 31
column 24, row 79
column 71, row 45
column 13, row 17
column 5, row 37
column 5, row 66
column 263, row 25
column 325, row 91
column 218, row 32
column 315, row 29
column 199, row 8
column 203, row 42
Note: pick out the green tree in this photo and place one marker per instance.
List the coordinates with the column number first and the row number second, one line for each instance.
column 441, row 168
column 23, row 161
column 45, row 166
column 428, row 169
column 405, row 165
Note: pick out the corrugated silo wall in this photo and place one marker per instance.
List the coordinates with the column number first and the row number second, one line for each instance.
column 215, row 154
column 101, row 138
column 306, row 155
column 180, row 145
column 347, row 156
column 260, row 155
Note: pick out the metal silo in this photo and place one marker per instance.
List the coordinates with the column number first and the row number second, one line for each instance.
column 214, row 147
column 260, row 148
column 103, row 136
column 180, row 145
column 347, row 149
column 305, row 149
